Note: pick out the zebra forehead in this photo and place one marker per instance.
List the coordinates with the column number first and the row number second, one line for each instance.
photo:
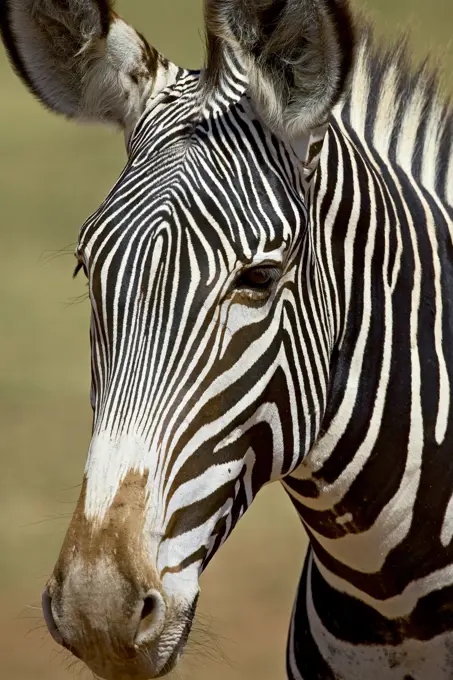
column 218, row 168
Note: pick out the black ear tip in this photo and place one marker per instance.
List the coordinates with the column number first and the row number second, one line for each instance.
column 105, row 11
column 11, row 43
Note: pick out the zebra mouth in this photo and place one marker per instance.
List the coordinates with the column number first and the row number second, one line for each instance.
column 181, row 644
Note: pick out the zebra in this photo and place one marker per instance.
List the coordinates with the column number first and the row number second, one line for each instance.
column 270, row 286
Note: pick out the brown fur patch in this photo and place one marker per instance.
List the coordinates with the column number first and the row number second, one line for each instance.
column 104, row 571
column 120, row 537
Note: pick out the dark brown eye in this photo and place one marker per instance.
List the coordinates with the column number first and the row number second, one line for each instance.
column 258, row 278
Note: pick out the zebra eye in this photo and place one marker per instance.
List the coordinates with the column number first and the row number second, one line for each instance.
column 258, row 278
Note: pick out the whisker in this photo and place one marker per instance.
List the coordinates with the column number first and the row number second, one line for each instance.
column 57, row 652
column 41, row 627
column 71, row 488
column 49, row 255
column 77, row 300
column 43, row 577
column 64, row 515
column 206, row 644
column 32, row 606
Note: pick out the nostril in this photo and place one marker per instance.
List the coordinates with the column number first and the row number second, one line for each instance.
column 149, row 605
column 152, row 617
column 49, row 618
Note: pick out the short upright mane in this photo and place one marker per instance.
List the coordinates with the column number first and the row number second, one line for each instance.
column 401, row 113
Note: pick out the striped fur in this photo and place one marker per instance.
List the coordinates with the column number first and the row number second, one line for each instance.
column 375, row 490
column 339, row 382
column 271, row 301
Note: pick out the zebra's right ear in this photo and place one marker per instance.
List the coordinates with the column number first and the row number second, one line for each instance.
column 81, row 59
column 297, row 54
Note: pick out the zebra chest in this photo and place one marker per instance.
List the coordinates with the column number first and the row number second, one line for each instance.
column 376, row 596
column 342, row 659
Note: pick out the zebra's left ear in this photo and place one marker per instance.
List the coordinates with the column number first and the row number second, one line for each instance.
column 298, row 54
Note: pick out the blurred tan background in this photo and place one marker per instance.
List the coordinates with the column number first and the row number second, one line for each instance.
column 53, row 174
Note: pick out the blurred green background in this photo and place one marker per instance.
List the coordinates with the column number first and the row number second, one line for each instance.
column 53, row 174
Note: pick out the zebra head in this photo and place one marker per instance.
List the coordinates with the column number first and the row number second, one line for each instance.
column 211, row 330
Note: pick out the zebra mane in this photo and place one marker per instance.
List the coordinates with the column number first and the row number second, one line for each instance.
column 401, row 112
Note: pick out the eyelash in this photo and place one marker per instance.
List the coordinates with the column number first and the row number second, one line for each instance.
column 80, row 265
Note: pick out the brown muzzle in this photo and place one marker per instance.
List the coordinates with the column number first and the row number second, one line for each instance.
column 105, row 601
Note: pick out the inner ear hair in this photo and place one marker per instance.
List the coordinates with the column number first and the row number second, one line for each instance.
column 80, row 58
column 298, row 55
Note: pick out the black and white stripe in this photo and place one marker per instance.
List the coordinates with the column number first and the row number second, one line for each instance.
column 270, row 285
column 338, row 381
